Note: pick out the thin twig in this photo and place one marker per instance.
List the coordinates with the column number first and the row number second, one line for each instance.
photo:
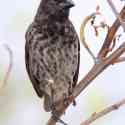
column 116, row 13
column 104, row 112
column 7, row 74
column 82, row 35
column 98, row 67
column 93, row 73
column 119, row 60
column 110, row 36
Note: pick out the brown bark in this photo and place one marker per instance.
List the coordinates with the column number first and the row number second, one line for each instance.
column 100, row 66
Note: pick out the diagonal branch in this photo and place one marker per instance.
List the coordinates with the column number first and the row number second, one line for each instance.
column 116, row 13
column 108, row 41
column 119, row 60
column 93, row 73
column 98, row 67
column 104, row 112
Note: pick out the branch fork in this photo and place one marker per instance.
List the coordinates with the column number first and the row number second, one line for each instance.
column 105, row 61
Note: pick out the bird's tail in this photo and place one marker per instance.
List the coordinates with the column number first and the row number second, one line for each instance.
column 47, row 103
column 48, row 106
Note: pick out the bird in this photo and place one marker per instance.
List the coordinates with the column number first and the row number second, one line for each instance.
column 52, row 53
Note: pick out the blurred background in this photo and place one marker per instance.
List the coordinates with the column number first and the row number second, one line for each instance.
column 19, row 103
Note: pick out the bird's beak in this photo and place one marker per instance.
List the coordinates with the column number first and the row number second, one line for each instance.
column 67, row 4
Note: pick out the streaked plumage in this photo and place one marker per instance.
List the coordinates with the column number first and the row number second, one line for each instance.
column 52, row 52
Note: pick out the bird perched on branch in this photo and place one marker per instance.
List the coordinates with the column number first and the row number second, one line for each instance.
column 52, row 53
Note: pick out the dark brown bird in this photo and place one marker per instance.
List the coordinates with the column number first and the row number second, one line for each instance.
column 52, row 52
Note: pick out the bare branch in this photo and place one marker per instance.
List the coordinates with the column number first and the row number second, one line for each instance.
column 82, row 35
column 93, row 73
column 119, row 60
column 116, row 13
column 104, row 112
column 98, row 67
column 7, row 74
column 110, row 36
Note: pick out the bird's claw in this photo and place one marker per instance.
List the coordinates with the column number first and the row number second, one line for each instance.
column 55, row 116
column 69, row 99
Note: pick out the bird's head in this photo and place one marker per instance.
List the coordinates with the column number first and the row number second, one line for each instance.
column 56, row 8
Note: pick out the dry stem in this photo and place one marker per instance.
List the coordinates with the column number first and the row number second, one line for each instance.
column 98, row 67
column 93, row 73
column 104, row 112
column 116, row 13
column 110, row 35
column 7, row 74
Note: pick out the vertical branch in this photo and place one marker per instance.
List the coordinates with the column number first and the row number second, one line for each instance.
column 10, row 63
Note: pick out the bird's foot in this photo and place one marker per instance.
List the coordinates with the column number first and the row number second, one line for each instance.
column 72, row 99
column 55, row 116
column 69, row 99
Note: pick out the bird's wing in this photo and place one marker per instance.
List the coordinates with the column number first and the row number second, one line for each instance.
column 75, row 77
column 34, row 81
